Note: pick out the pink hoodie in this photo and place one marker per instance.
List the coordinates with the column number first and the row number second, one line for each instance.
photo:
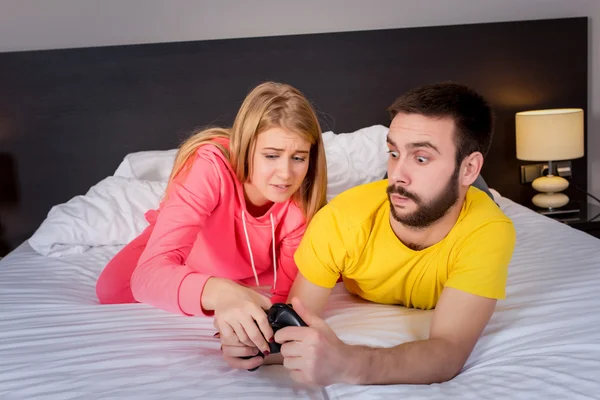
column 203, row 230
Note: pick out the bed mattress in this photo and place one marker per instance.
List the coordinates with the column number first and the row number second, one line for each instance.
column 57, row 342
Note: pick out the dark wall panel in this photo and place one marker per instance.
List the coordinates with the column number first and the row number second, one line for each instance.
column 67, row 117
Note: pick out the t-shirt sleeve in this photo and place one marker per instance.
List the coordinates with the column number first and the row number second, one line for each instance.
column 287, row 266
column 481, row 264
column 322, row 254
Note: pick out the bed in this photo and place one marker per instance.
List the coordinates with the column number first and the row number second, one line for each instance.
column 56, row 342
column 105, row 122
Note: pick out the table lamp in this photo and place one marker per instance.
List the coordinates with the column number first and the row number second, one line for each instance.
column 550, row 135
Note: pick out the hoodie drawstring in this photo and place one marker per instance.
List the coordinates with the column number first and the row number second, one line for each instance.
column 250, row 249
column 274, row 259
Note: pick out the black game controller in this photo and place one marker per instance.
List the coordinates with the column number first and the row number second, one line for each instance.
column 279, row 316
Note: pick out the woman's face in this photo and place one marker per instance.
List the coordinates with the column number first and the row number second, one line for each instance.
column 279, row 166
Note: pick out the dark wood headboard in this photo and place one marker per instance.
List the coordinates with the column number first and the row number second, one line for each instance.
column 68, row 117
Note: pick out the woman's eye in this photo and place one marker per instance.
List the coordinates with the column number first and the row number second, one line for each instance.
column 271, row 156
column 421, row 159
column 299, row 159
column 393, row 154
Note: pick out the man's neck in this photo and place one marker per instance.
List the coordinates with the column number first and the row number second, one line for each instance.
column 421, row 238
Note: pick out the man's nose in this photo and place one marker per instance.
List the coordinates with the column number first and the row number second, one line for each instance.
column 399, row 174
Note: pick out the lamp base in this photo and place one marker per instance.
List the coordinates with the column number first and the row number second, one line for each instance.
column 550, row 201
column 571, row 210
column 550, row 186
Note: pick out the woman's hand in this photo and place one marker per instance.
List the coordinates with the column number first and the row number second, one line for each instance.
column 240, row 316
column 240, row 356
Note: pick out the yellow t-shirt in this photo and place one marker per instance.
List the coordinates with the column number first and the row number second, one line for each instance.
column 351, row 237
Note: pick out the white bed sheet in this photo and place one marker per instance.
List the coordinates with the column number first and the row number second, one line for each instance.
column 56, row 342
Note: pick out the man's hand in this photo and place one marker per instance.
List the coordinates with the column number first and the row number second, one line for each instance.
column 313, row 354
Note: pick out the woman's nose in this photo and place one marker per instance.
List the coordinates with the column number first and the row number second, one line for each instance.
column 284, row 169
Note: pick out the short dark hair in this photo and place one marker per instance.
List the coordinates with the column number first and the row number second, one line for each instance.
column 473, row 117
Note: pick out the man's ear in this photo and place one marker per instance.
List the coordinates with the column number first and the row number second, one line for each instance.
column 470, row 168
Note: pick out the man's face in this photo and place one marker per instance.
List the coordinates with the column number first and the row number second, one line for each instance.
column 422, row 170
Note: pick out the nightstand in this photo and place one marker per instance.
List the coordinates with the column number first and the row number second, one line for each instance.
column 587, row 219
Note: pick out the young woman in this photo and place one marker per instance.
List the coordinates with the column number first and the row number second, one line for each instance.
column 235, row 208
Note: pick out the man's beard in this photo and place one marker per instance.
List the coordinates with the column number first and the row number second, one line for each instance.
column 427, row 212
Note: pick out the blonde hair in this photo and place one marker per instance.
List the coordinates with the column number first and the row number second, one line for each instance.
column 268, row 105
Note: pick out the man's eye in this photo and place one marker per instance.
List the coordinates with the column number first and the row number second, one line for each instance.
column 393, row 154
column 421, row 159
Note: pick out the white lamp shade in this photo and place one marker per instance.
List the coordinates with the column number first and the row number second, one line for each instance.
column 549, row 135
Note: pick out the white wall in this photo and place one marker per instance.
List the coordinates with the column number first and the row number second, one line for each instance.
column 45, row 24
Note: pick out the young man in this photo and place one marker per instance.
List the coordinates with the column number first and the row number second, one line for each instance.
column 425, row 238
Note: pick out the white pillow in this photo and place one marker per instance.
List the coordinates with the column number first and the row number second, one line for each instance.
column 497, row 196
column 152, row 165
column 352, row 159
column 355, row 158
column 110, row 213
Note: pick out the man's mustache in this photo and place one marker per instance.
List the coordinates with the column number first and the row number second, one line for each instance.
column 402, row 192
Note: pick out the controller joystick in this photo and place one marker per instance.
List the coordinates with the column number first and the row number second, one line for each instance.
column 279, row 316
